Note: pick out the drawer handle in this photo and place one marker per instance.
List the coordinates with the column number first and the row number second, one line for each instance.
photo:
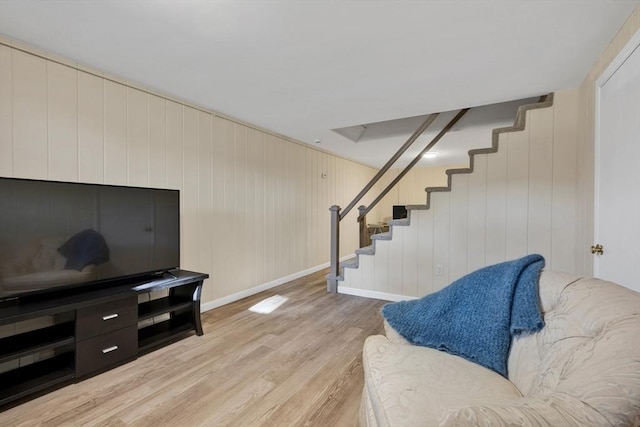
column 109, row 317
column 110, row 349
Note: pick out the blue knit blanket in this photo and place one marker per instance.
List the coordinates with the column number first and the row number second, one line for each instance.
column 476, row 316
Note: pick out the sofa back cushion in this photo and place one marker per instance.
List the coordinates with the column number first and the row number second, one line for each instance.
column 589, row 347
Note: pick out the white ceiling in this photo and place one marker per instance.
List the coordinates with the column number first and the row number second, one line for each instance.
column 301, row 68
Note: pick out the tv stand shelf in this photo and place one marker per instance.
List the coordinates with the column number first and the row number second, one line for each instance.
column 25, row 381
column 36, row 341
column 80, row 333
column 160, row 306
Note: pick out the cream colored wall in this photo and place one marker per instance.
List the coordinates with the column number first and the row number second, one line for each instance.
column 517, row 201
column 255, row 208
column 586, row 166
column 411, row 189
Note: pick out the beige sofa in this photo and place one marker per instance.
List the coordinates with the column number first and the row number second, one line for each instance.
column 581, row 369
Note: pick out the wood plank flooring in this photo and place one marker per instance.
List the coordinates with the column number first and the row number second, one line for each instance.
column 300, row 365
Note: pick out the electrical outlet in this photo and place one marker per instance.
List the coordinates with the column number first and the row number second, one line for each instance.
column 439, row 270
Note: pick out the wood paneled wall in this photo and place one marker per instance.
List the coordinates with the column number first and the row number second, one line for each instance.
column 517, row 201
column 255, row 208
column 586, row 159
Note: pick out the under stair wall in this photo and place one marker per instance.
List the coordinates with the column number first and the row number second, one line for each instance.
column 518, row 200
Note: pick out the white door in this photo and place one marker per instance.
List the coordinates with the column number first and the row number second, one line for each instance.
column 617, row 192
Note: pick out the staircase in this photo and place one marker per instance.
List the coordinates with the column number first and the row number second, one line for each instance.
column 509, row 202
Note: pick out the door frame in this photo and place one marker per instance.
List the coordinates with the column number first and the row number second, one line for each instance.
column 621, row 57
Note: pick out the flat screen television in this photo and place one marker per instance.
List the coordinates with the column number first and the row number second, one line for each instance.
column 56, row 235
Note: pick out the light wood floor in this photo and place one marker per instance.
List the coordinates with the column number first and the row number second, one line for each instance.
column 300, row 365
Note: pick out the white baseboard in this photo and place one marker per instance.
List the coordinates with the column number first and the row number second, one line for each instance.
column 373, row 294
column 265, row 286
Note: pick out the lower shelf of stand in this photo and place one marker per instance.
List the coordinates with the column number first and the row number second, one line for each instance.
column 159, row 306
column 36, row 341
column 33, row 378
column 153, row 336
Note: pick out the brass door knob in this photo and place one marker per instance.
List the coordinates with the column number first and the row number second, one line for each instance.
column 597, row 249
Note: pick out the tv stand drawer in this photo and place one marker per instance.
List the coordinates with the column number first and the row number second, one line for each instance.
column 106, row 317
column 95, row 354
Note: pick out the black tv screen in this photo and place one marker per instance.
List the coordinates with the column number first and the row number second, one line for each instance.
column 61, row 234
column 399, row 211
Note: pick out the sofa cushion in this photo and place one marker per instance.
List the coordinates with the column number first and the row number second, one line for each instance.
column 556, row 409
column 589, row 348
column 524, row 357
column 411, row 385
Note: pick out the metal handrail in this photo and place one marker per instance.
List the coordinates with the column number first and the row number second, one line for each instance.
column 389, row 163
column 397, row 179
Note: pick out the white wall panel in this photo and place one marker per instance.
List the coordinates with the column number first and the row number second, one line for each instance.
column 251, row 228
column 189, row 191
column 423, row 220
column 115, row 133
column 174, row 126
column 441, row 239
column 259, row 213
column 6, row 111
column 217, row 218
column 157, row 141
column 396, row 273
column 496, row 207
column 564, row 203
column 240, row 198
column 458, row 226
column 517, row 194
column 381, row 276
column 137, row 138
column 62, row 105
column 270, row 206
column 409, row 259
column 477, row 215
column 205, row 199
column 368, row 272
column 30, row 121
column 540, row 182
column 280, row 214
column 91, row 147
column 300, row 206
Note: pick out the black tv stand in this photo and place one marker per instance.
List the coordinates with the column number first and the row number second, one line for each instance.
column 77, row 334
column 170, row 274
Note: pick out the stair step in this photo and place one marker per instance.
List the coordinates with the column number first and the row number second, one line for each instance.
column 367, row 250
column 399, row 222
column 382, row 236
column 458, row 171
column 353, row 263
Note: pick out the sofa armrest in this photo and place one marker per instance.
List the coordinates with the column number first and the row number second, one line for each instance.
column 393, row 335
column 556, row 409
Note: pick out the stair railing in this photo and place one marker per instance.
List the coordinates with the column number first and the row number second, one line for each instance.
column 430, row 119
column 337, row 216
column 434, row 141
